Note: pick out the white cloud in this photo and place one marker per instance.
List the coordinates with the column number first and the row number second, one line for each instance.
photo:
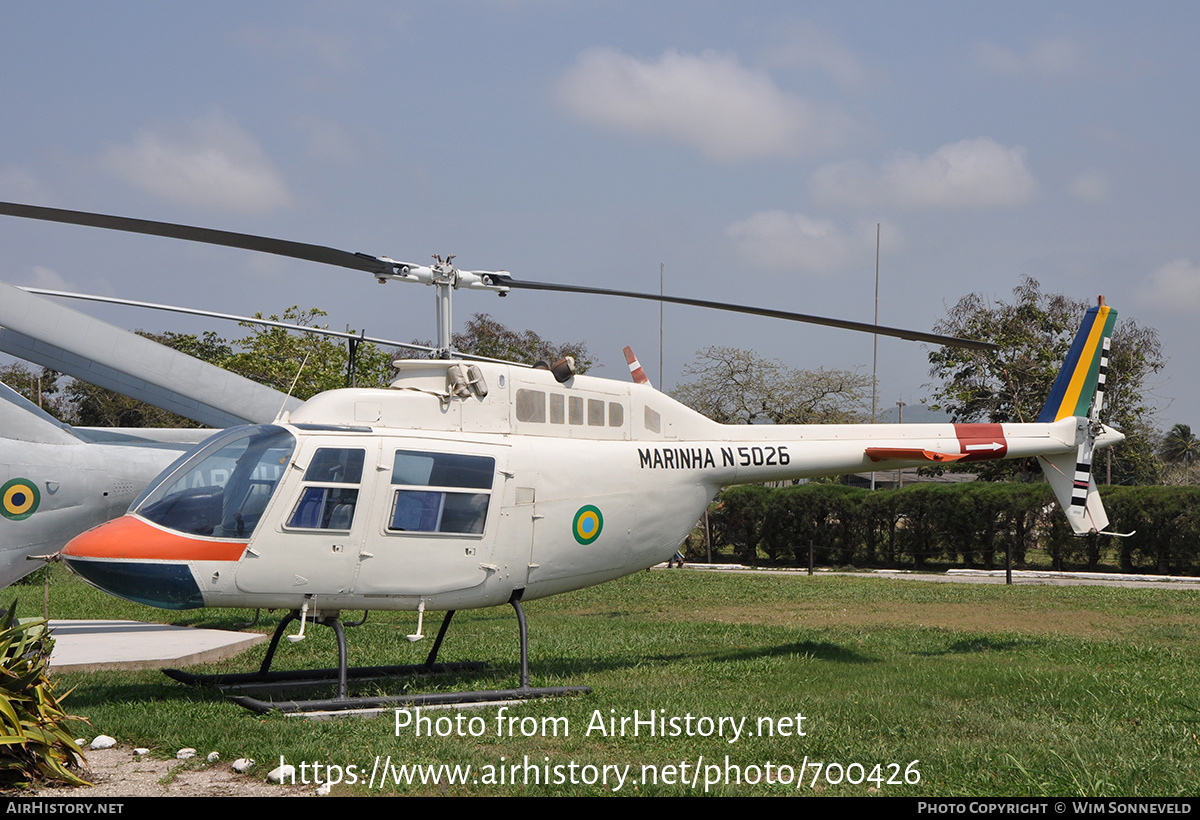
column 48, row 279
column 20, row 185
column 810, row 46
column 324, row 50
column 1174, row 287
column 1050, row 58
column 209, row 163
column 891, row 237
column 328, row 141
column 710, row 101
column 1091, row 187
column 783, row 242
column 977, row 173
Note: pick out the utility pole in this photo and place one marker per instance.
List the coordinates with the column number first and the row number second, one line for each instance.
column 875, row 343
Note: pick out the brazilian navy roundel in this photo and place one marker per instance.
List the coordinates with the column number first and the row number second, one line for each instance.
column 588, row 523
column 19, row 498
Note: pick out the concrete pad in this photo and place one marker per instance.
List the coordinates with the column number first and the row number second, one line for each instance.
column 88, row 646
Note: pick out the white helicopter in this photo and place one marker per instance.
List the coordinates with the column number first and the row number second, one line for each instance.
column 470, row 484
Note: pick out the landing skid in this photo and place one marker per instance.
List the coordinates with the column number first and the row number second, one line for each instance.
column 277, row 681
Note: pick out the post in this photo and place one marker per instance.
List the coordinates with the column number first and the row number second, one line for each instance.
column 875, row 344
column 707, row 535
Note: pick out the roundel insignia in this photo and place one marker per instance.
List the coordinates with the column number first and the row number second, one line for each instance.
column 588, row 524
column 19, row 498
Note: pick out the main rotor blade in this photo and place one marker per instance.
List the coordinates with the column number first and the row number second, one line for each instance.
column 231, row 317
column 911, row 335
column 379, row 266
column 250, row 242
column 250, row 320
column 40, row 331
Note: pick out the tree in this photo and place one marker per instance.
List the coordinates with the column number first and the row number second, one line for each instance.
column 484, row 336
column 269, row 355
column 277, row 358
column 42, row 387
column 1179, row 446
column 1180, row 452
column 1011, row 384
column 741, row 387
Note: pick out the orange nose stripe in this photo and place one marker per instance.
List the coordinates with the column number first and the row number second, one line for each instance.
column 132, row 538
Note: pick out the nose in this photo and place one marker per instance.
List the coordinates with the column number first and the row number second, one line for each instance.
column 140, row 562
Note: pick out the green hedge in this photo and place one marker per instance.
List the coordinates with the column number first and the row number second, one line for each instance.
column 970, row 525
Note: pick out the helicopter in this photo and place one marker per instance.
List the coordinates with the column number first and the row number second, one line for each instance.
column 470, row 484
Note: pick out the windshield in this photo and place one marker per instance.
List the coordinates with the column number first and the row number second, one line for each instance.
column 222, row 489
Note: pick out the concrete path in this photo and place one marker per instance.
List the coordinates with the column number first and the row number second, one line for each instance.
column 979, row 576
column 88, row 646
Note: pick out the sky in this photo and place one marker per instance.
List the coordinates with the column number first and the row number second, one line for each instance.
column 748, row 149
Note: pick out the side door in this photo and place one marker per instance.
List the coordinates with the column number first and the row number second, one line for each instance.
column 323, row 515
column 435, row 517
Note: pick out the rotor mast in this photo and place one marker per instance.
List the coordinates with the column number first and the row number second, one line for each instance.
column 445, row 279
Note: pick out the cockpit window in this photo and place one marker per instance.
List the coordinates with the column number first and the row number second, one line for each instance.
column 223, row 488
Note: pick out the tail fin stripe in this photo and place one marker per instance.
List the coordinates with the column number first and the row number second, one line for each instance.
column 1076, row 394
column 1081, row 374
column 1101, row 378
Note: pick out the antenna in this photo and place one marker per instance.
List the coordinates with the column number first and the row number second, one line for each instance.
column 289, row 395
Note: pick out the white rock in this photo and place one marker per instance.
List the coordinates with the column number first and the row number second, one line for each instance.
column 81, row 742
column 104, row 742
column 242, row 765
column 184, row 754
column 213, row 757
column 141, row 751
column 281, row 773
column 323, row 789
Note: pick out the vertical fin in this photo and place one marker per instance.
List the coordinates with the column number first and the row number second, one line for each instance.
column 1079, row 392
column 1069, row 475
column 1083, row 373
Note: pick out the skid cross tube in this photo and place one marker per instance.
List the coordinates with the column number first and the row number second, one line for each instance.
column 264, row 678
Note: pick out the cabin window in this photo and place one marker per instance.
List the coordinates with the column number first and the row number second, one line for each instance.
column 325, row 508
column 336, row 465
column 322, row 505
column 595, row 412
column 576, row 407
column 558, row 413
column 616, row 414
column 443, row 470
column 531, row 406
column 441, row 492
column 652, row 421
column 433, row 511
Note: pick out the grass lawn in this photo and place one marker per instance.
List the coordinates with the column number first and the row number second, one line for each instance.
column 958, row 689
